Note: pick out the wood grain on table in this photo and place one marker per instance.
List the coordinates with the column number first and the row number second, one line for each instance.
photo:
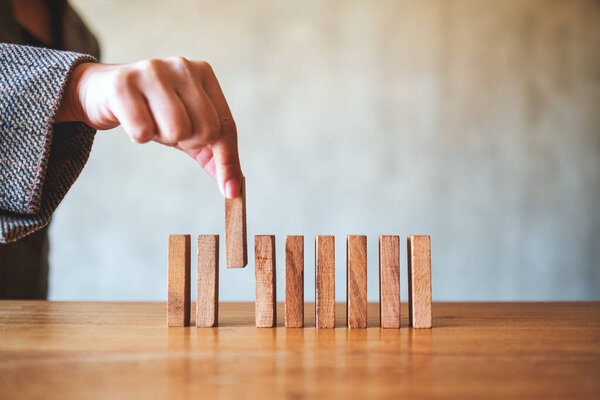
column 67, row 350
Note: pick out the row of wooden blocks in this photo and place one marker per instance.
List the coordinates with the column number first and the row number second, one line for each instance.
column 419, row 281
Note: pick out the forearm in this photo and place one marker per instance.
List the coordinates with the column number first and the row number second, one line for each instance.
column 35, row 171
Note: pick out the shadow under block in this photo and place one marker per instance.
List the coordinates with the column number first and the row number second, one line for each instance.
column 325, row 281
column 235, row 229
column 207, row 304
column 389, row 281
column 356, row 284
column 294, row 281
column 419, row 281
column 265, row 304
column 179, row 270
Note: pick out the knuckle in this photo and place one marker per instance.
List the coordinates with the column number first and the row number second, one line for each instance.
column 204, row 67
column 139, row 139
column 176, row 133
column 168, row 138
column 144, row 65
column 150, row 66
column 180, row 66
column 141, row 135
column 179, row 62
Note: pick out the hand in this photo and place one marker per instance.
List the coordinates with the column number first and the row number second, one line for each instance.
column 172, row 101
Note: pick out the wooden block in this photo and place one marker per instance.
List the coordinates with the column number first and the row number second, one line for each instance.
column 419, row 281
column 235, row 229
column 389, row 281
column 178, row 302
column 264, row 267
column 325, row 281
column 207, row 301
column 356, row 284
column 294, row 281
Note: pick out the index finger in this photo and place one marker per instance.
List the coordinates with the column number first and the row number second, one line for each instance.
column 225, row 148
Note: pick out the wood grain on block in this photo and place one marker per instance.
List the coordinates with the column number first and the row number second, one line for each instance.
column 294, row 281
column 207, row 302
column 325, row 281
column 178, row 302
column 419, row 281
column 356, row 285
column 389, row 281
column 265, row 267
column 235, row 229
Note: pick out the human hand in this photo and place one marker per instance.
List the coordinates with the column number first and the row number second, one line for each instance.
column 172, row 101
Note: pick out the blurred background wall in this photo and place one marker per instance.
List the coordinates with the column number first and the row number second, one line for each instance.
column 475, row 122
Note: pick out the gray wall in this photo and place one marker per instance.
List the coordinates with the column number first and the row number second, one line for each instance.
column 476, row 122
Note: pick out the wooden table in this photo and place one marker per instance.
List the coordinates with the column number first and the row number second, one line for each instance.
column 124, row 350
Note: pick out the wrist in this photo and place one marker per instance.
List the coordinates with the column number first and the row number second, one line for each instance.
column 71, row 105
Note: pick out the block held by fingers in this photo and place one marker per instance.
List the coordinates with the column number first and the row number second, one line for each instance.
column 235, row 229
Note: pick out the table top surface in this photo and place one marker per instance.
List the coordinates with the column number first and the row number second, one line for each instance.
column 73, row 350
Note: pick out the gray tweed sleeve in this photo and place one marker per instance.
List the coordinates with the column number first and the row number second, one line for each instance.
column 39, row 160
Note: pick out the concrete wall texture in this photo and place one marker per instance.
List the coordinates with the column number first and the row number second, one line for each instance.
column 475, row 122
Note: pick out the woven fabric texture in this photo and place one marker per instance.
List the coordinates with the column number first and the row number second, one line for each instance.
column 39, row 160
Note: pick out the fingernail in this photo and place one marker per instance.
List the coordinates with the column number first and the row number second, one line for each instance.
column 231, row 188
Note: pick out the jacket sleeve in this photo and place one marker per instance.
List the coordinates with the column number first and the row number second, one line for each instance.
column 39, row 160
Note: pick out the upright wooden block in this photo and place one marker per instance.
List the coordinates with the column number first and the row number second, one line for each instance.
column 389, row 281
column 325, row 281
column 235, row 230
column 294, row 281
column 178, row 302
column 207, row 301
column 266, row 296
column 419, row 281
column 356, row 284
